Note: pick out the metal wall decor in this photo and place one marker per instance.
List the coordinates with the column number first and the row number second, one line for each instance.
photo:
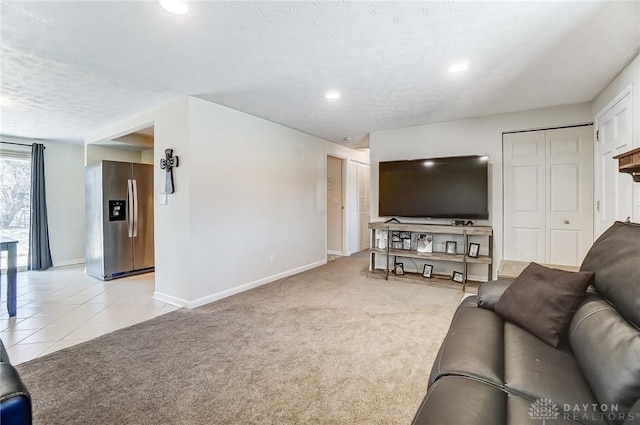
column 168, row 163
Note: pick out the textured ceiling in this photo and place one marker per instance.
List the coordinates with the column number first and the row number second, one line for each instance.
column 69, row 68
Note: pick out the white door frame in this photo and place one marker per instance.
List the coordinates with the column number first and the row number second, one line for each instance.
column 627, row 91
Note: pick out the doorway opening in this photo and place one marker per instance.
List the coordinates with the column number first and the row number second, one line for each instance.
column 15, row 187
column 335, row 206
column 120, row 184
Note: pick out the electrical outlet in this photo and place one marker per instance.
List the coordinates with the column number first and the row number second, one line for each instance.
column 273, row 257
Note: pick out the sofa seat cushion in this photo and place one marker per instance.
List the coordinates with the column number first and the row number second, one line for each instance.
column 483, row 348
column 535, row 370
column 521, row 411
column 458, row 400
column 471, row 346
column 607, row 348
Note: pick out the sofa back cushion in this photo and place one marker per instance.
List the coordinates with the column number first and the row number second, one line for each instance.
column 615, row 260
column 607, row 349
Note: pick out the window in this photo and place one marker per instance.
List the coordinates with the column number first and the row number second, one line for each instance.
column 15, row 184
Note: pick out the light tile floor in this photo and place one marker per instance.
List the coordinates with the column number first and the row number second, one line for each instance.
column 62, row 306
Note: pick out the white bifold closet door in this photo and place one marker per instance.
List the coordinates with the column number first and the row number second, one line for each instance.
column 548, row 195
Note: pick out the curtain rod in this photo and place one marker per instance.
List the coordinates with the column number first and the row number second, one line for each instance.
column 19, row 144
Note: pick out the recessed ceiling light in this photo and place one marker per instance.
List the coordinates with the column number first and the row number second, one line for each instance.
column 177, row 7
column 348, row 139
column 459, row 67
column 333, row 95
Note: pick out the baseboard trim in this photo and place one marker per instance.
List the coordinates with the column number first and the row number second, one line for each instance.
column 227, row 293
column 69, row 262
column 178, row 302
column 332, row 252
column 478, row 278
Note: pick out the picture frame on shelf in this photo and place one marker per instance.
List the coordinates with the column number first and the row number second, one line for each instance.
column 401, row 240
column 474, row 250
column 457, row 277
column 399, row 269
column 427, row 271
column 451, row 247
column 381, row 239
column 424, row 243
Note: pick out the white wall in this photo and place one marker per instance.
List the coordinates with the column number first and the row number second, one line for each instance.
column 467, row 137
column 64, row 178
column 245, row 188
column 630, row 76
column 172, row 231
column 146, row 156
column 171, row 221
column 257, row 188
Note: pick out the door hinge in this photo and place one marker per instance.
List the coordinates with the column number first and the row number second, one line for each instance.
column 597, row 135
column 598, row 206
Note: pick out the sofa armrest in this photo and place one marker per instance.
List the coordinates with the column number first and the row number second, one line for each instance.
column 490, row 292
column 15, row 401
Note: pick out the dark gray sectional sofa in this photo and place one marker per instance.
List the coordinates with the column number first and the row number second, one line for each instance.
column 15, row 400
column 491, row 371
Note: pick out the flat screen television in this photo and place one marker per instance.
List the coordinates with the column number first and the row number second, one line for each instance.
column 453, row 187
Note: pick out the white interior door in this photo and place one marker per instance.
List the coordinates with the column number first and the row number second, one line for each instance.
column 614, row 190
column 364, row 190
column 334, row 205
column 358, row 202
column 524, row 196
column 569, row 171
column 548, row 195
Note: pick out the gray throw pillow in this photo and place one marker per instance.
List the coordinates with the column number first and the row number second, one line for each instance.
column 542, row 300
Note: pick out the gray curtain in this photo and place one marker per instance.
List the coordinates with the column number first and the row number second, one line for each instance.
column 39, row 252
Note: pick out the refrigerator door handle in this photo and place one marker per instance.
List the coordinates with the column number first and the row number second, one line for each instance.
column 135, row 208
column 130, row 202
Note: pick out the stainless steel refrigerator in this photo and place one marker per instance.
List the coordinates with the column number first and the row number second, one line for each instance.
column 119, row 219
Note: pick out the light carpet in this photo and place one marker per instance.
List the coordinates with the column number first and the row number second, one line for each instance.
column 328, row 346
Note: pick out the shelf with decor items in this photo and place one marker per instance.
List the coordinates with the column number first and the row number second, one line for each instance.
column 629, row 162
column 428, row 243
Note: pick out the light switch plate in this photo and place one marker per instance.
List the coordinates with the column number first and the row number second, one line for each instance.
column 162, row 198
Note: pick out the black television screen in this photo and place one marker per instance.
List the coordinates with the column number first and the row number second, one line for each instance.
column 454, row 187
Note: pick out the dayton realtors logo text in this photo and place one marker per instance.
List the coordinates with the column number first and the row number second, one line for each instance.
column 546, row 409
